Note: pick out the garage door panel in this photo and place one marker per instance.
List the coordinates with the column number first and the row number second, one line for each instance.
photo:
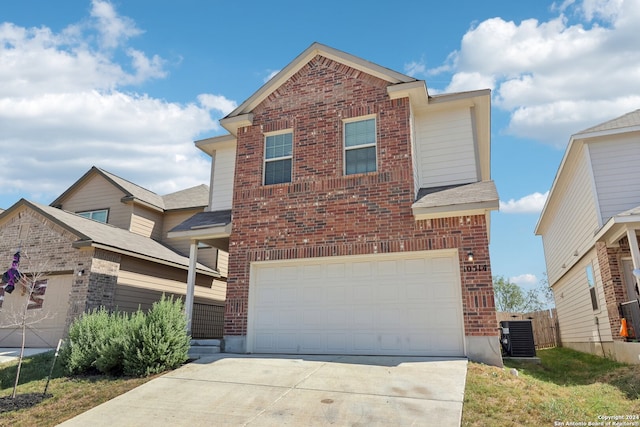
column 364, row 342
column 362, row 270
column 337, row 343
column 337, row 317
column 314, row 319
column 415, row 267
column 399, row 304
column 314, row 295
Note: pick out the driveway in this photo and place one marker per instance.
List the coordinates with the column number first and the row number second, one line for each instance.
column 260, row 390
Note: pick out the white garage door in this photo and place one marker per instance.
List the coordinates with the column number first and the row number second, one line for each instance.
column 387, row 304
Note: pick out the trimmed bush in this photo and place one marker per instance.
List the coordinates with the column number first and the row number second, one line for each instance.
column 139, row 344
column 110, row 351
column 82, row 347
column 160, row 343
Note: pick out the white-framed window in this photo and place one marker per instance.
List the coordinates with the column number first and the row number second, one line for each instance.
column 99, row 215
column 592, row 286
column 278, row 149
column 360, row 145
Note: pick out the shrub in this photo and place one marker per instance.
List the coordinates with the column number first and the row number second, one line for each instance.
column 109, row 357
column 159, row 342
column 139, row 344
column 82, row 348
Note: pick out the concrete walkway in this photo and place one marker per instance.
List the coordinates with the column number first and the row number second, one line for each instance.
column 259, row 390
column 8, row 354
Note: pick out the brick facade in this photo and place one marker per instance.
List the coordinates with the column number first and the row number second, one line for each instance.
column 615, row 291
column 322, row 212
column 47, row 249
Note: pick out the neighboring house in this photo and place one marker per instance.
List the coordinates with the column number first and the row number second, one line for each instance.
column 355, row 208
column 95, row 248
column 105, row 197
column 589, row 231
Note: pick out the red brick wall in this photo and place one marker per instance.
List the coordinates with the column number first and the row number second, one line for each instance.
column 324, row 213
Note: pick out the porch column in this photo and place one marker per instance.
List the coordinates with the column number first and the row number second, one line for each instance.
column 633, row 246
column 191, row 283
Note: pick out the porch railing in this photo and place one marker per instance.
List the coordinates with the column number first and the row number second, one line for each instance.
column 630, row 311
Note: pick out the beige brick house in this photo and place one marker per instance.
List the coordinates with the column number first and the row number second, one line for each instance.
column 355, row 208
column 103, row 243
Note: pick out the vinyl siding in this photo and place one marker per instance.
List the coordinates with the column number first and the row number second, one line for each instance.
column 146, row 223
column 445, row 148
column 616, row 170
column 572, row 218
column 129, row 298
column 98, row 193
column 165, row 285
column 573, row 303
column 223, row 175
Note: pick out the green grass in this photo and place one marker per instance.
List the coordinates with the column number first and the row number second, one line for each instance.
column 70, row 395
column 567, row 386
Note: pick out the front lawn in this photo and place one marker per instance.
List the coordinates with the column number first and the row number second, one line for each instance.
column 567, row 388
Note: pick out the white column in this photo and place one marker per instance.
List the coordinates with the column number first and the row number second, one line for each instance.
column 191, row 283
column 633, row 245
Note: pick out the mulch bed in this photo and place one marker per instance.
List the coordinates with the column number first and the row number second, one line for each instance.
column 21, row 401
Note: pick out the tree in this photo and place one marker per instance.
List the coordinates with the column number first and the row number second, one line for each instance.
column 510, row 298
column 28, row 286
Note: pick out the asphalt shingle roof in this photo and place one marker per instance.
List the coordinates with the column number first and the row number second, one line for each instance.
column 477, row 192
column 205, row 219
column 628, row 120
column 190, row 198
column 94, row 232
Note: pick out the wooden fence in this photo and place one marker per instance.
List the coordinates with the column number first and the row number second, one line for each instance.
column 546, row 332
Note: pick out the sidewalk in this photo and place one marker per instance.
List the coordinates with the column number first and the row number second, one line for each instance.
column 7, row 354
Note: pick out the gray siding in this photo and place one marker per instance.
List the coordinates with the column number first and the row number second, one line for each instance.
column 616, row 170
column 571, row 217
column 573, row 303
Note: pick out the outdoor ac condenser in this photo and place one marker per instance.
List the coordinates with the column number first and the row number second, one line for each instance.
column 516, row 337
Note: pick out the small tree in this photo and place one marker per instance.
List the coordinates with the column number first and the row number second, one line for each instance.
column 511, row 298
column 27, row 285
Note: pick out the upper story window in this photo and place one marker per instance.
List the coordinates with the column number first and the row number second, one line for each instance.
column 277, row 158
column 97, row 215
column 360, row 146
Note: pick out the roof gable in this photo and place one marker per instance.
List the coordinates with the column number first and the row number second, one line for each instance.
column 131, row 191
column 236, row 118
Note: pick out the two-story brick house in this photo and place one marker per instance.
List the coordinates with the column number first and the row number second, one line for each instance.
column 355, row 208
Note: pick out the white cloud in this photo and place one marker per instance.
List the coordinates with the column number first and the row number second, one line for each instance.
column 415, row 68
column 271, row 75
column 532, row 203
column 524, row 280
column 217, row 102
column 113, row 29
column 557, row 77
column 64, row 108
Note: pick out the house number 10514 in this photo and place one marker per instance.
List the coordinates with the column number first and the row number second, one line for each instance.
column 474, row 267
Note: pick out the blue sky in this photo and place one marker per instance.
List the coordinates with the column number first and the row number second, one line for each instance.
column 129, row 85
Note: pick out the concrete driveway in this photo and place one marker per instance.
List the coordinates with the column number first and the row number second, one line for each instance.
column 259, row 390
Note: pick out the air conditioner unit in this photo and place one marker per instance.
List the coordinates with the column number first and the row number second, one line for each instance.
column 516, row 337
